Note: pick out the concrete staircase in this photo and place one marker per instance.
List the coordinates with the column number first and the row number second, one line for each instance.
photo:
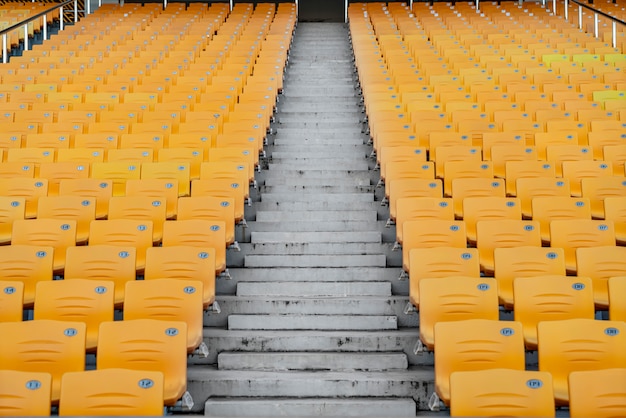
column 312, row 323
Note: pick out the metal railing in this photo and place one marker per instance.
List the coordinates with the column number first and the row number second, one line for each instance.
column 24, row 23
column 596, row 18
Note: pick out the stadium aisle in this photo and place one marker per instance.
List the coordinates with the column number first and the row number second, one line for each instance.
column 314, row 320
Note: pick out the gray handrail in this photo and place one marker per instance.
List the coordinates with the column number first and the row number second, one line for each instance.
column 596, row 15
column 24, row 23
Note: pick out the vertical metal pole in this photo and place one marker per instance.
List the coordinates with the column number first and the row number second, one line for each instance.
column 76, row 11
column 5, row 59
column 477, row 5
column 566, row 10
column 26, row 37
column 345, row 12
column 580, row 17
column 595, row 25
column 554, row 7
column 62, row 20
column 231, row 5
column 297, row 9
column 614, row 35
column 88, row 7
column 45, row 28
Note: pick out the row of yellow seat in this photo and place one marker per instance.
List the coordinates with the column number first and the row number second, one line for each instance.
column 446, row 91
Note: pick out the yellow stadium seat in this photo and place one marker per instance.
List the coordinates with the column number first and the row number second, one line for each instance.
column 550, row 298
column 580, row 233
column 617, row 303
column 530, row 188
column 454, row 299
column 130, row 155
column 78, row 300
column 117, row 172
column 184, row 263
column 477, row 209
column 141, row 208
column 598, row 393
column 112, row 392
column 406, row 188
column 147, row 345
column 59, row 234
column 515, row 170
column 167, row 300
column 100, row 190
column 77, row 208
column 548, row 209
column 415, row 208
column 11, row 209
column 501, row 154
column 431, row 233
column 45, row 345
column 597, row 189
column 475, row 344
column 601, row 263
column 11, row 301
column 31, row 189
column 123, row 233
column 25, row 393
column 440, row 262
column 464, row 188
column 170, row 171
column 198, row 233
column 506, row 233
column 572, row 345
column 503, row 392
column 465, row 169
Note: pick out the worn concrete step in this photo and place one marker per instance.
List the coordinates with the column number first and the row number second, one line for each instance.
column 354, row 198
column 296, row 136
column 372, row 362
column 323, row 274
column 355, row 179
column 281, row 176
column 314, row 289
column 320, row 248
column 330, row 164
column 312, row 322
column 289, row 153
column 312, row 149
column 318, row 216
column 310, row 407
column 255, row 261
column 331, row 112
column 416, row 383
column 353, row 305
column 319, row 237
column 346, row 91
column 400, row 340
column 318, row 188
column 321, row 132
column 321, row 123
column 314, row 205
column 330, row 226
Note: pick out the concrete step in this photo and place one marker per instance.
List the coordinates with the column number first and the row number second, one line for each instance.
column 416, row 383
column 320, row 176
column 319, row 216
column 338, row 133
column 313, row 205
column 319, row 188
column 315, row 237
column 313, row 289
column 295, row 136
column 354, row 305
column 401, row 340
column 353, row 198
column 313, row 226
column 256, row 261
column 354, row 179
column 338, row 149
column 328, row 152
column 329, row 164
column 312, row 322
column 310, row 407
column 321, row 123
column 315, row 248
column 372, row 362
column 310, row 274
